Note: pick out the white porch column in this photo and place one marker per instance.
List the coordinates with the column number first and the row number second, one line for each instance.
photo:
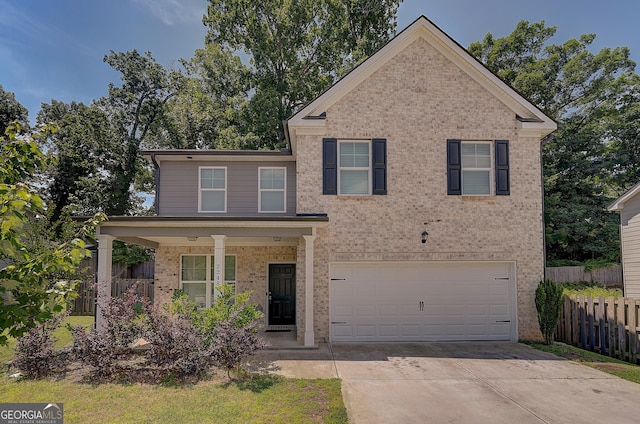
column 218, row 259
column 105, row 251
column 309, row 338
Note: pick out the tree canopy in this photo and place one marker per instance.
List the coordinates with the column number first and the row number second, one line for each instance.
column 589, row 160
column 34, row 280
column 11, row 110
column 296, row 49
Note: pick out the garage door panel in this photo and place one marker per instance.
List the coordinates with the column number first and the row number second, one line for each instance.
column 421, row 301
column 342, row 331
column 410, row 330
column 342, row 290
column 388, row 310
column 365, row 311
column 499, row 329
column 365, row 331
column 343, row 311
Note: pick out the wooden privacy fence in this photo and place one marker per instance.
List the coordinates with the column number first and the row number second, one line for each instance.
column 610, row 275
column 85, row 303
column 143, row 270
column 606, row 325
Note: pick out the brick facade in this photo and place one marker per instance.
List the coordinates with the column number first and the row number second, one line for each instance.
column 417, row 101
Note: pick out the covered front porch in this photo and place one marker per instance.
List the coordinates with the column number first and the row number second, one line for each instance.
column 270, row 256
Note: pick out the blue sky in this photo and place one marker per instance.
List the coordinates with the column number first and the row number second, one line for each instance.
column 53, row 49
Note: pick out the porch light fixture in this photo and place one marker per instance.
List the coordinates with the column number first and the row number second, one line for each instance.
column 192, row 238
column 425, row 236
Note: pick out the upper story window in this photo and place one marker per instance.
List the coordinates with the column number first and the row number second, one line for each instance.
column 272, row 191
column 478, row 168
column 213, row 189
column 354, row 168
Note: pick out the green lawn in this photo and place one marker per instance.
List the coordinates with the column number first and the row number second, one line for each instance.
column 609, row 365
column 255, row 399
column 590, row 289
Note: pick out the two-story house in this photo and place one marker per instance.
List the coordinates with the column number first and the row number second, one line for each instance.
column 407, row 207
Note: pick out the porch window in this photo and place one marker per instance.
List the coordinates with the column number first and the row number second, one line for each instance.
column 196, row 277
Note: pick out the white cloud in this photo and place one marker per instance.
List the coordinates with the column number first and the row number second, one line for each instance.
column 171, row 12
column 16, row 19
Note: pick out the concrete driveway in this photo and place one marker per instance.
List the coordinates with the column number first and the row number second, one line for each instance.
column 460, row 383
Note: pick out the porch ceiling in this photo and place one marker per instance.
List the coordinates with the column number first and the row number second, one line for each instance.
column 156, row 231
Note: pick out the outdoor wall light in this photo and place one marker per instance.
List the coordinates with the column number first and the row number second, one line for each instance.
column 192, row 238
column 425, row 236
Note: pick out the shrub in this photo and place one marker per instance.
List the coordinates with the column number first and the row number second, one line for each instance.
column 548, row 303
column 229, row 307
column 175, row 343
column 188, row 340
column 103, row 346
column 181, row 338
column 234, row 341
column 35, row 356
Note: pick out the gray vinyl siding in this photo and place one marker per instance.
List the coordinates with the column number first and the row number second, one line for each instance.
column 630, row 238
column 179, row 188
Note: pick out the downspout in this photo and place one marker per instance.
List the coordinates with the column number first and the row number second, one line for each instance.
column 287, row 137
column 543, row 141
column 156, row 202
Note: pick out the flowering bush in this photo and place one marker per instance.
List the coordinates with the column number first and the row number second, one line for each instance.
column 103, row 346
column 35, row 356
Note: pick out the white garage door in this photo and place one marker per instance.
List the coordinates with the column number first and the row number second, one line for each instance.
column 392, row 301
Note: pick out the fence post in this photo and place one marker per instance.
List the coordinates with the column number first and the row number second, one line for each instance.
column 620, row 325
column 632, row 325
column 611, row 329
column 583, row 322
column 601, row 320
column 591, row 323
column 575, row 321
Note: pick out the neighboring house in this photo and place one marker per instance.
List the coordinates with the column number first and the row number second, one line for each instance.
column 628, row 205
column 407, row 207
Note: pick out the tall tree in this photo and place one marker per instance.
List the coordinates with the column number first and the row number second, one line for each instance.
column 75, row 181
column 11, row 110
column 297, row 49
column 207, row 109
column 582, row 161
column 135, row 111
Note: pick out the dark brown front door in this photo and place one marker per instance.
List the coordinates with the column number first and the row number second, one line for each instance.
column 282, row 294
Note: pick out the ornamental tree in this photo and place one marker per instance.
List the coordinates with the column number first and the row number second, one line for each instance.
column 34, row 283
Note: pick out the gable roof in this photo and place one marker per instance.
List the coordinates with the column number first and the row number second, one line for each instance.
column 529, row 116
column 618, row 205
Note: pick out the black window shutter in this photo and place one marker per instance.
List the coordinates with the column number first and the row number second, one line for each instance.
column 502, row 167
column 454, row 167
column 329, row 166
column 379, row 165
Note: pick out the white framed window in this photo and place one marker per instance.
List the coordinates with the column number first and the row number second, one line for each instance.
column 272, row 191
column 354, row 168
column 477, row 175
column 196, row 277
column 212, row 187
